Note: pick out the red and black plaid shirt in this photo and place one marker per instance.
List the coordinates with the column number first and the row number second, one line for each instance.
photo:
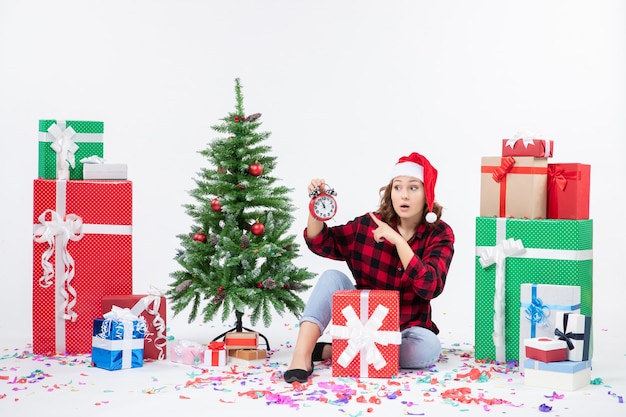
column 377, row 265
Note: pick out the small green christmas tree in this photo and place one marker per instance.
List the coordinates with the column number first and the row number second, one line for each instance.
column 239, row 254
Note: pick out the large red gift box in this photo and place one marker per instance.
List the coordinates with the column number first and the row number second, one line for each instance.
column 366, row 333
column 152, row 308
column 568, row 191
column 513, row 187
column 82, row 252
column 540, row 148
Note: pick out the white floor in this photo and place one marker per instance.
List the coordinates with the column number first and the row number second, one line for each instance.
column 69, row 386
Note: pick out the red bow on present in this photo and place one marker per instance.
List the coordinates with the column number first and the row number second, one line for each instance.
column 557, row 175
column 216, row 345
column 505, row 166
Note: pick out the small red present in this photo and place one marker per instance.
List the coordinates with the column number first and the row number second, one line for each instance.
column 152, row 308
column 568, row 191
column 241, row 340
column 82, row 251
column 519, row 146
column 545, row 349
column 366, row 333
column 215, row 355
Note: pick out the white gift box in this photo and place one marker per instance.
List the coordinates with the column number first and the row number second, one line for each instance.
column 575, row 329
column 105, row 171
column 539, row 304
column 564, row 375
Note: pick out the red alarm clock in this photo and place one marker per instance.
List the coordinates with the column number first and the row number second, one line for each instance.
column 323, row 205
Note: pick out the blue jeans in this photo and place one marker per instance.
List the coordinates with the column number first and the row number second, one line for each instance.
column 420, row 347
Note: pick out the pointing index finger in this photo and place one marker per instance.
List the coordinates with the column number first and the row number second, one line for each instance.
column 376, row 220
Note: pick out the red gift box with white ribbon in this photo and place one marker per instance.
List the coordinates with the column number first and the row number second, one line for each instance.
column 82, row 252
column 152, row 308
column 522, row 146
column 366, row 333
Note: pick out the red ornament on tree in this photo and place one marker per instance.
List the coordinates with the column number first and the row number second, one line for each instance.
column 255, row 169
column 236, row 118
column 259, row 285
column 215, row 204
column 257, row 228
column 199, row 237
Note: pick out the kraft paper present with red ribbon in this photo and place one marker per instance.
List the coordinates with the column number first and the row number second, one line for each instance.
column 546, row 349
column 187, row 352
column 568, row 191
column 523, row 146
column 241, row 340
column 513, row 187
column 248, row 354
column 215, row 355
column 366, row 333
column 151, row 307
column 118, row 340
column 82, row 252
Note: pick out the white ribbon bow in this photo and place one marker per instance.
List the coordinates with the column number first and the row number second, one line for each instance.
column 498, row 255
column 65, row 148
column 57, row 232
column 363, row 337
column 525, row 137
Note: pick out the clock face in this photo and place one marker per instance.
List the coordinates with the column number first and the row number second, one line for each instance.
column 323, row 207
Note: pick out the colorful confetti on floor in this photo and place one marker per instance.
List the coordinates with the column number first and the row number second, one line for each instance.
column 457, row 383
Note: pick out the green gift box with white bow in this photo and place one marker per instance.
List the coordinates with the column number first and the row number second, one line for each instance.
column 66, row 142
column 511, row 252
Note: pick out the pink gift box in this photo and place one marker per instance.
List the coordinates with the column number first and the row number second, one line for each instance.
column 366, row 333
column 546, row 349
column 187, row 352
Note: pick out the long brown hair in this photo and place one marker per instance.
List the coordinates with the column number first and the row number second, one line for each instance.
column 389, row 214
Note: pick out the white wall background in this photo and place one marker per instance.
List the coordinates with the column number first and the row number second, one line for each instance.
column 345, row 88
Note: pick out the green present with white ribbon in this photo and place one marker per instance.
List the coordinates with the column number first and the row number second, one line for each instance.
column 511, row 252
column 62, row 145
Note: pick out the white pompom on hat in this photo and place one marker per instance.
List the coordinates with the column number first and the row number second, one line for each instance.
column 417, row 166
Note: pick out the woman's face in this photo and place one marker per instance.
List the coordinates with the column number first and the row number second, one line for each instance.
column 407, row 197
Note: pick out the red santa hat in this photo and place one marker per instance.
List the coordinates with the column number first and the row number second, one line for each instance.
column 417, row 166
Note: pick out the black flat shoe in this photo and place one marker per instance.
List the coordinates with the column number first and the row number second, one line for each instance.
column 298, row 375
column 316, row 356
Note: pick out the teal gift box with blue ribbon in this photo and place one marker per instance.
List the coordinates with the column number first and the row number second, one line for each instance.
column 511, row 252
column 118, row 342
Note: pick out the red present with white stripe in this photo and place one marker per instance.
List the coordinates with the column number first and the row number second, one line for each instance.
column 366, row 333
column 82, row 252
column 151, row 307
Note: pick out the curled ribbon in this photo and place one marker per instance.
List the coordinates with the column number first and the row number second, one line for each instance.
column 57, row 232
column 363, row 337
column 537, row 312
column 151, row 305
column 505, row 167
column 64, row 146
